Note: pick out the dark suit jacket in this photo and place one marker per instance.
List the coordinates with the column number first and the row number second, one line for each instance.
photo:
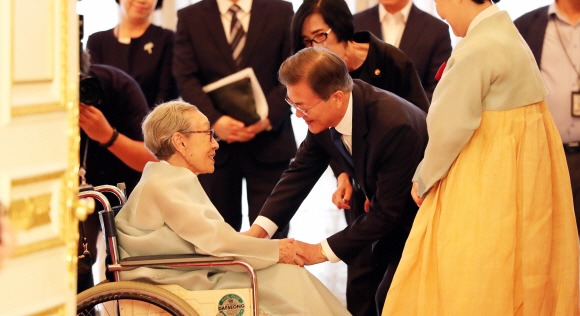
column 532, row 26
column 425, row 40
column 202, row 56
column 389, row 138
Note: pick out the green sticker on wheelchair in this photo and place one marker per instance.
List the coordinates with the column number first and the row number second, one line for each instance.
column 231, row 305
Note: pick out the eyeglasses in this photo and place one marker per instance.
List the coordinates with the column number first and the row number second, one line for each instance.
column 210, row 132
column 299, row 109
column 318, row 39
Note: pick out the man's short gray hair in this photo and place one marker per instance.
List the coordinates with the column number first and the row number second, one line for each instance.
column 165, row 120
column 324, row 71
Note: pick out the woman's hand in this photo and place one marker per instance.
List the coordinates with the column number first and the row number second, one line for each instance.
column 94, row 124
column 419, row 200
column 289, row 253
column 341, row 197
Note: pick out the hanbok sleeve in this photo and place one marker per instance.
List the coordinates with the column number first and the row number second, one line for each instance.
column 456, row 110
column 187, row 211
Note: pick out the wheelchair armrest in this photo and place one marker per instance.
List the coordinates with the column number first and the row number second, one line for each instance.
column 172, row 259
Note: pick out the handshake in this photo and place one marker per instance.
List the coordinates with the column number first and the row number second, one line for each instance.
column 292, row 251
column 299, row 253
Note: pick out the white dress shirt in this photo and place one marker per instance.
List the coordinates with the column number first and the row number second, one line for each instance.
column 393, row 25
column 243, row 15
column 345, row 128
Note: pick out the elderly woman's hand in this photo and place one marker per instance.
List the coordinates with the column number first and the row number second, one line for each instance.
column 289, row 253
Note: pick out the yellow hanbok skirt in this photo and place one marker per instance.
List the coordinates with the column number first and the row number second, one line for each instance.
column 496, row 236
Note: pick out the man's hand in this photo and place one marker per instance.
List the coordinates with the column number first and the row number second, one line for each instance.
column 256, row 231
column 94, row 124
column 248, row 133
column 226, row 125
column 241, row 136
column 311, row 254
column 258, row 127
column 289, row 252
column 341, row 197
column 419, row 200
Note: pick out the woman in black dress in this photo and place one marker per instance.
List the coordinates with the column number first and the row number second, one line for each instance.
column 139, row 48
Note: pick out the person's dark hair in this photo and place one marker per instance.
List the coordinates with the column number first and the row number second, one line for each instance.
column 324, row 71
column 158, row 6
column 483, row 1
column 334, row 12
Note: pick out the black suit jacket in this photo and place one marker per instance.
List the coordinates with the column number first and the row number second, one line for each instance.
column 532, row 27
column 389, row 138
column 425, row 40
column 202, row 56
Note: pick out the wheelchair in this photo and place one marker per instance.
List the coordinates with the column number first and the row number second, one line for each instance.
column 116, row 297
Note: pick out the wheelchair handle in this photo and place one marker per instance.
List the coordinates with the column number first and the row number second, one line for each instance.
column 97, row 196
column 115, row 190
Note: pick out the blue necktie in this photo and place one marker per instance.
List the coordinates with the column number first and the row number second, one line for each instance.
column 336, row 138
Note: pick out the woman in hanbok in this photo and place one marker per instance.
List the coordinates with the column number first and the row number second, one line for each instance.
column 495, row 234
column 169, row 213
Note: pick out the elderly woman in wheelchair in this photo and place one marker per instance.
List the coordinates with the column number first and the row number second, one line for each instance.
column 169, row 213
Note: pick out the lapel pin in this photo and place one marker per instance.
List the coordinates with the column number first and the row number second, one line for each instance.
column 377, row 72
column 148, row 47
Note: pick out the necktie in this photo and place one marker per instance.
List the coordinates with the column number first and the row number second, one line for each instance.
column 237, row 35
column 337, row 139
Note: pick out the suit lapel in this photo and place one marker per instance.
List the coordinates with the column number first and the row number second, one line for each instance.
column 213, row 22
column 258, row 18
column 413, row 29
column 359, row 133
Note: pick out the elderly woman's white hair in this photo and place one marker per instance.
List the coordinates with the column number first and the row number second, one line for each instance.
column 165, row 120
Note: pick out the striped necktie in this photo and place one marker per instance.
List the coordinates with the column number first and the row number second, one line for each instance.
column 237, row 35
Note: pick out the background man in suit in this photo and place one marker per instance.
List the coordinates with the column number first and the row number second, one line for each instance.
column 421, row 36
column 553, row 34
column 377, row 137
column 215, row 39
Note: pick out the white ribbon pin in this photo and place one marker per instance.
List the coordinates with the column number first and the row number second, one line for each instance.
column 148, row 47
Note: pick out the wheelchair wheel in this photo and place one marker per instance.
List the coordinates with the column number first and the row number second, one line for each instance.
column 131, row 298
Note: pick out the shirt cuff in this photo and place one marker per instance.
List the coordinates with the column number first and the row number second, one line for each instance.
column 329, row 253
column 267, row 225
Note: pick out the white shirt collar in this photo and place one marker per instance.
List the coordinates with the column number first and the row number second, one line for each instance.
column 405, row 11
column 345, row 125
column 224, row 5
column 483, row 15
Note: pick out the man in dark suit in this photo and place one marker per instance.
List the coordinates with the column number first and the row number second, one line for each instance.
column 377, row 137
column 552, row 33
column 421, row 36
column 215, row 39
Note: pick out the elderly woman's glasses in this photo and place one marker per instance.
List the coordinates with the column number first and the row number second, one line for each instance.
column 210, row 132
column 318, row 39
column 304, row 111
